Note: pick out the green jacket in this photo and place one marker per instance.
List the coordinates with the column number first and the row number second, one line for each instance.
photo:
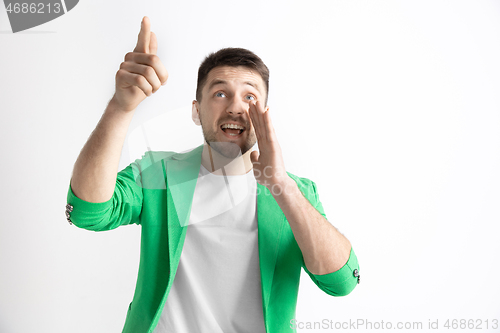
column 157, row 192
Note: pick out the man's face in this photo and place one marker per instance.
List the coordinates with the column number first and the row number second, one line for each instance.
column 225, row 100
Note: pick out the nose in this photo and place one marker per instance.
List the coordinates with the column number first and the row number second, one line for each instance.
column 237, row 106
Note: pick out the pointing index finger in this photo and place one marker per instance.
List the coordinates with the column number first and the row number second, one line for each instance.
column 144, row 36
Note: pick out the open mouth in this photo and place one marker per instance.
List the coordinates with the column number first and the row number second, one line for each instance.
column 232, row 130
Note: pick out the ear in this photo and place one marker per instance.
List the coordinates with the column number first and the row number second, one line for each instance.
column 196, row 113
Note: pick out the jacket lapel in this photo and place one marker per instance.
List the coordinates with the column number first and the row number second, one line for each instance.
column 270, row 219
column 182, row 174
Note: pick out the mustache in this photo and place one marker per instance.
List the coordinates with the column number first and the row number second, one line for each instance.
column 245, row 123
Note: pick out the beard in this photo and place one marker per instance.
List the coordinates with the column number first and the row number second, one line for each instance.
column 226, row 148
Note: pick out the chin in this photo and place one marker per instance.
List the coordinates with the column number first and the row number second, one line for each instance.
column 226, row 149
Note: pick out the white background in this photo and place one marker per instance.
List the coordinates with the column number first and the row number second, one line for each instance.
column 391, row 107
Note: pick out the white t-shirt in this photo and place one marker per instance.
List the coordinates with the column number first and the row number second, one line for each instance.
column 217, row 287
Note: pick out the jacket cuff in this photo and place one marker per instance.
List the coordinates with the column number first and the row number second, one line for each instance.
column 342, row 281
column 83, row 213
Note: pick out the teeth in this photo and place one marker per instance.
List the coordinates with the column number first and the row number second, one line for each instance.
column 233, row 126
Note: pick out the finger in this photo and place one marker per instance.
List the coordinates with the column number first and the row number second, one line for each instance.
column 149, row 60
column 126, row 79
column 259, row 120
column 266, row 121
column 146, row 71
column 153, row 44
column 254, row 119
column 144, row 37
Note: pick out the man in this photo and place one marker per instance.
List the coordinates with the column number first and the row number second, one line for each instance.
column 225, row 230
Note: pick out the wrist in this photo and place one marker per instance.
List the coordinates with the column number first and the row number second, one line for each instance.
column 114, row 105
column 115, row 116
column 283, row 188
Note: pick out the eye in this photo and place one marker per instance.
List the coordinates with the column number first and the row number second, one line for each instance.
column 251, row 97
column 220, row 94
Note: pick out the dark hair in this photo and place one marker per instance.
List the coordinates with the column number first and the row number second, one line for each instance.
column 231, row 57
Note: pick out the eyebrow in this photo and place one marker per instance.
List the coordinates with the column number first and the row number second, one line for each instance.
column 220, row 81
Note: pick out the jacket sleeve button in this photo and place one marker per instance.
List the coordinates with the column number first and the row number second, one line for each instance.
column 69, row 209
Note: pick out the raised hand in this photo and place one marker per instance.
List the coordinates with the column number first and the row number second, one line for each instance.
column 142, row 73
column 268, row 166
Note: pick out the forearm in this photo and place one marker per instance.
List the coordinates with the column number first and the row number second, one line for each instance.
column 95, row 170
column 140, row 75
column 324, row 248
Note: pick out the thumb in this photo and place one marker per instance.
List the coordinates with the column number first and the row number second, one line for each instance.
column 144, row 37
column 254, row 156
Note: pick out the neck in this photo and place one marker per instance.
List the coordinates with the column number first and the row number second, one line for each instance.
column 222, row 165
